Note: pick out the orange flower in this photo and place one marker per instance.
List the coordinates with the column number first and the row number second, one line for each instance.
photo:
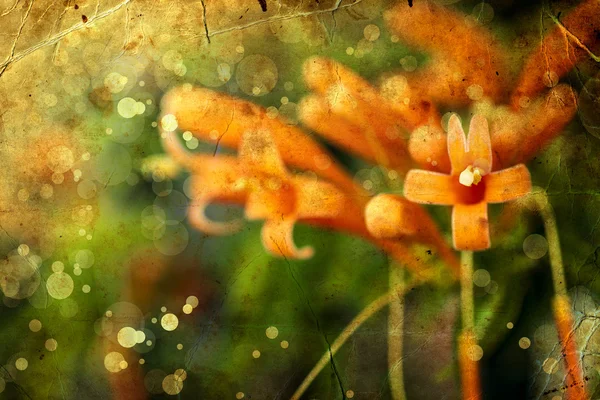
column 470, row 186
column 257, row 178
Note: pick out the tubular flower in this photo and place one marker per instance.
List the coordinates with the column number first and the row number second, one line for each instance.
column 223, row 120
column 257, row 176
column 471, row 184
column 394, row 125
column 258, row 179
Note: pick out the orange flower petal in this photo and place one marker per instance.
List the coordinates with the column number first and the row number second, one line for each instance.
column 560, row 51
column 384, row 137
column 277, row 237
column 317, row 199
column 430, row 187
column 470, row 227
column 257, row 151
column 175, row 149
column 217, row 182
column 408, row 102
column 269, row 198
column 389, row 216
column 439, row 82
column 519, row 136
column 323, row 204
column 219, row 177
column 479, row 144
column 321, row 74
column 392, row 217
column 315, row 112
column 222, row 119
column 507, row 184
column 429, row 148
column 457, row 145
column 471, row 50
column 213, row 179
column 352, row 98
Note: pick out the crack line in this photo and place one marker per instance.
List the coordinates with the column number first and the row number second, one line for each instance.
column 302, row 294
column 14, row 45
column 573, row 37
column 282, row 18
column 50, row 41
column 204, row 20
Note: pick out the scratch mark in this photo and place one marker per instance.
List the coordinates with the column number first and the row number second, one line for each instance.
column 303, row 296
column 283, row 17
column 223, row 134
column 206, row 327
column 204, row 20
column 14, row 45
column 16, row 384
column 10, row 9
column 573, row 37
column 54, row 39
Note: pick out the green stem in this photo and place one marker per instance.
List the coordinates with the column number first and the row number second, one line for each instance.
column 563, row 315
column 466, row 290
column 396, row 332
column 364, row 315
column 469, row 368
column 543, row 206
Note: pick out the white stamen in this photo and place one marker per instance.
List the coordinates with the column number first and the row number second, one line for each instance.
column 466, row 177
column 470, row 176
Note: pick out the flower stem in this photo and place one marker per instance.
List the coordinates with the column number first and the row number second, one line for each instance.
column 561, row 304
column 542, row 205
column 467, row 340
column 466, row 290
column 396, row 332
column 364, row 315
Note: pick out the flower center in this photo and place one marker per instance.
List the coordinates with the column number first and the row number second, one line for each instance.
column 470, row 176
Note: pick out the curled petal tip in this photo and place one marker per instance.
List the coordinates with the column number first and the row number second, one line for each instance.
column 277, row 237
column 198, row 219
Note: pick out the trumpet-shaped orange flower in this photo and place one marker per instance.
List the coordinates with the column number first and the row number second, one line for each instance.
column 471, row 184
column 257, row 178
